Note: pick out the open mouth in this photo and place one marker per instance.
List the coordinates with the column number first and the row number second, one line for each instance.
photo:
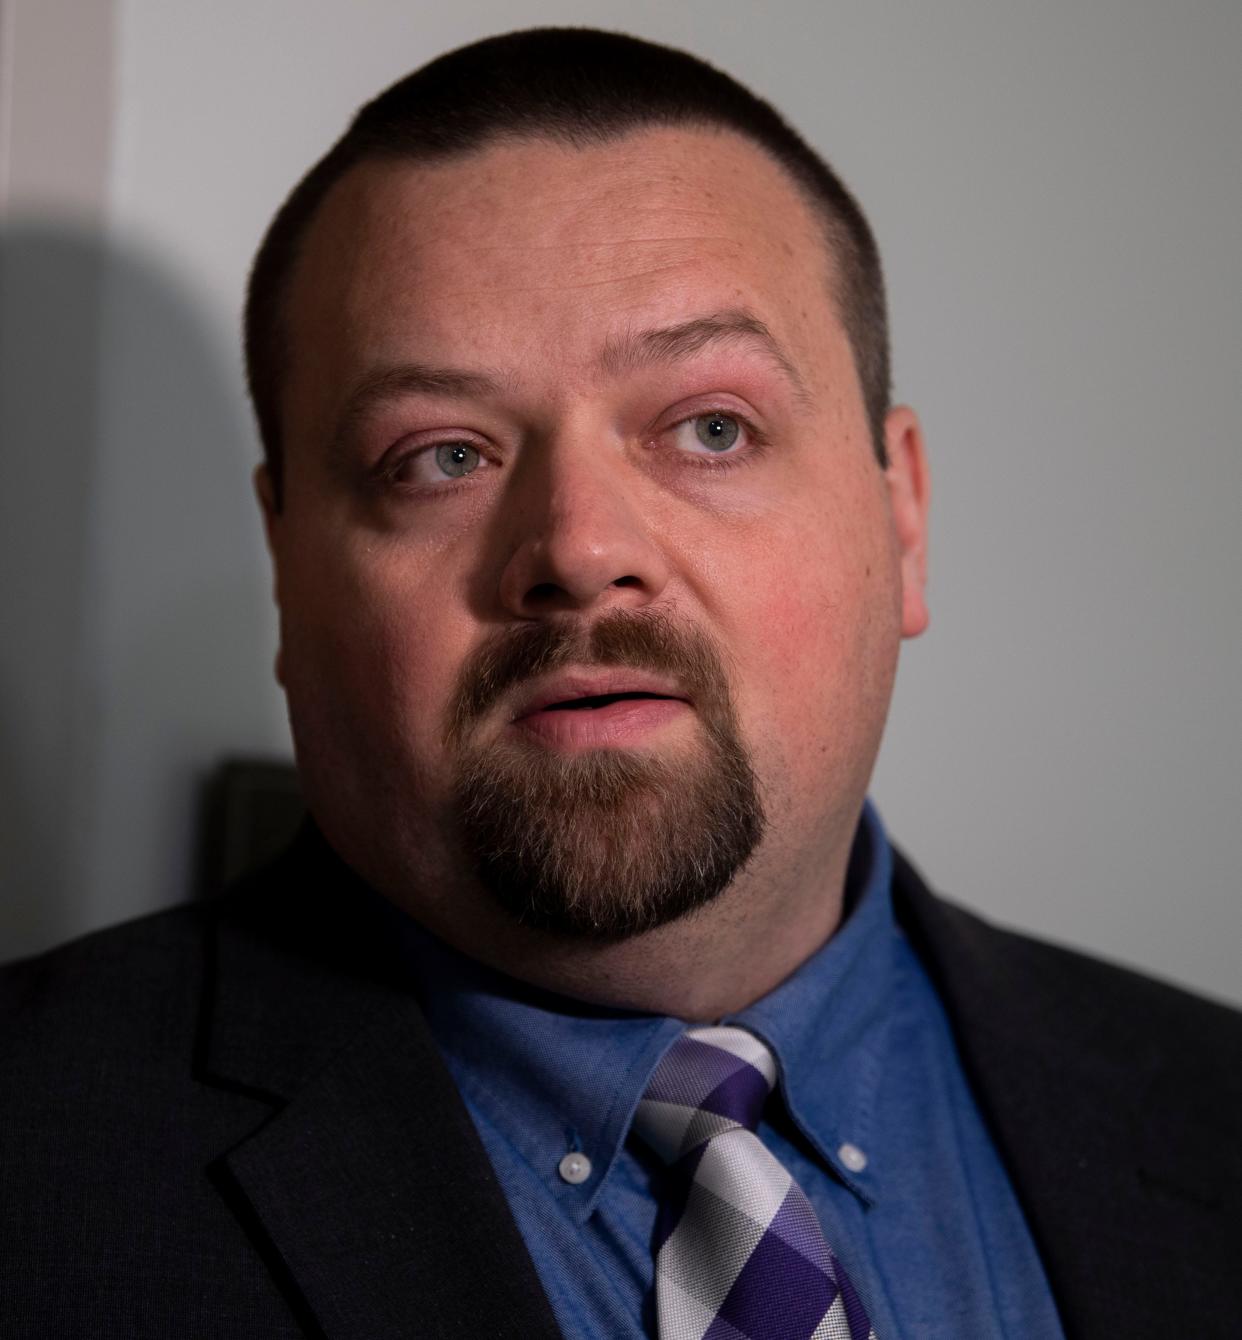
column 599, row 708
column 600, row 700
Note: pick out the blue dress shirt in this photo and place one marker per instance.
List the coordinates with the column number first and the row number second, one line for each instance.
column 877, row 1125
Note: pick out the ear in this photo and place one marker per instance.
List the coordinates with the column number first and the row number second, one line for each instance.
column 265, row 491
column 909, row 491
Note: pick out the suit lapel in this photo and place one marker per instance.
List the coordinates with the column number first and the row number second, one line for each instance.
column 372, row 1198
column 1068, row 1078
column 367, row 1189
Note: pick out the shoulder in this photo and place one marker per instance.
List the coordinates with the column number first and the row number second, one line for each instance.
column 1009, row 994
column 129, row 980
column 1115, row 1101
column 112, row 1133
column 139, row 1009
column 98, row 1046
column 1063, row 987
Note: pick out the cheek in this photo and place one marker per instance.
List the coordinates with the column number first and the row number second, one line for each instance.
column 376, row 635
column 815, row 642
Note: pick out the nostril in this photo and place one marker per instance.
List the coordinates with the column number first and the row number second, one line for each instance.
column 543, row 594
column 571, row 587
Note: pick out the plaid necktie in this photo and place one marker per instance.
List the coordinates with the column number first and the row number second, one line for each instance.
column 740, row 1254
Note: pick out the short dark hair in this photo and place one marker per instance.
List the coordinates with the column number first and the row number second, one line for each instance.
column 581, row 87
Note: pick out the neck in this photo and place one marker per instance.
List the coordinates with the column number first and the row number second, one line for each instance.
column 706, row 965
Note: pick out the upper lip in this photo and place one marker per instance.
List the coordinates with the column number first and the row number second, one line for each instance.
column 568, row 685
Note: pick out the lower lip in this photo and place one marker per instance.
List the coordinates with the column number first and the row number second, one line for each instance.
column 626, row 722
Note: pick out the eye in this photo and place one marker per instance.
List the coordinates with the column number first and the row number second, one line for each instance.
column 713, row 434
column 457, row 458
column 438, row 463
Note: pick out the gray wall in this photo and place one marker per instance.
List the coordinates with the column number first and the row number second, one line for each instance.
column 1056, row 189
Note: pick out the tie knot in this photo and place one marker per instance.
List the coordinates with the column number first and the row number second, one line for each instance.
column 710, row 1080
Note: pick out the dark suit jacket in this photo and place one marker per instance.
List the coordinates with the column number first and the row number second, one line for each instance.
column 230, row 1120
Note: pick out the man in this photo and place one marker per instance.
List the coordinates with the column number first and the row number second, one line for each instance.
column 595, row 538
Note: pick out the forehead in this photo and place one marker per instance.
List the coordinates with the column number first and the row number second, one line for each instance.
column 564, row 246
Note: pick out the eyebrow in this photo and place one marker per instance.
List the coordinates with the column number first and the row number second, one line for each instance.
column 393, row 383
column 670, row 344
column 623, row 353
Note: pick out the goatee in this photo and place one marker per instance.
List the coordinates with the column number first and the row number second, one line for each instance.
column 607, row 843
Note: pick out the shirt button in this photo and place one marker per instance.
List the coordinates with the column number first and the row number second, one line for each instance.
column 574, row 1168
column 853, row 1157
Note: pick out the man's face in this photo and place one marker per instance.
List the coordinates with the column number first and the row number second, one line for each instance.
column 562, row 425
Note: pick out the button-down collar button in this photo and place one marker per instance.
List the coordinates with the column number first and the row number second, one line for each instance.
column 574, row 1168
column 853, row 1157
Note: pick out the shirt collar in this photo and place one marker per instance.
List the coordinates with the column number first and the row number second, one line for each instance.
column 828, row 1022
column 553, row 1075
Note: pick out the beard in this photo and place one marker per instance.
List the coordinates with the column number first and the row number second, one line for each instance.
column 607, row 843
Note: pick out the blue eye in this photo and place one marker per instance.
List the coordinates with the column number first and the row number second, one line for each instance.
column 457, row 458
column 438, row 465
column 717, row 432
column 712, row 434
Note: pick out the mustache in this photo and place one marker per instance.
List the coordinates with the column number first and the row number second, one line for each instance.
column 645, row 639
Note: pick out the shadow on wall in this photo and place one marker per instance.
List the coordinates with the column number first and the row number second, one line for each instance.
column 136, row 635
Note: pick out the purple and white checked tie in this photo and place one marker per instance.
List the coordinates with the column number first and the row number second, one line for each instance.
column 740, row 1254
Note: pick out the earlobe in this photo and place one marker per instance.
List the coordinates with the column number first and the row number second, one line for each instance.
column 909, row 490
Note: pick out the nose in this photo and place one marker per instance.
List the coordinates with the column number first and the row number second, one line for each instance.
column 579, row 540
